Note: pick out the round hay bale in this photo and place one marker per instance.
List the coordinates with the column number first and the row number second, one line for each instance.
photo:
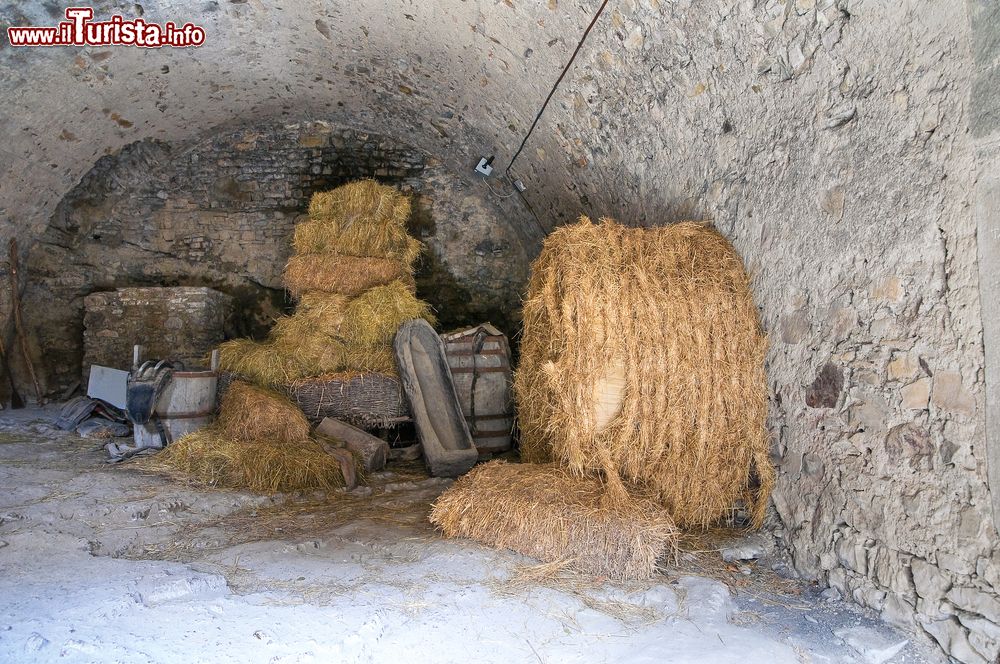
column 254, row 413
column 344, row 275
column 642, row 357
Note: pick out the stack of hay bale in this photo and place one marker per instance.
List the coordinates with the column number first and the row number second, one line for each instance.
column 352, row 274
column 642, row 375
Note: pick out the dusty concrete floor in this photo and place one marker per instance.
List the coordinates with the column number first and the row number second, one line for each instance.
column 104, row 563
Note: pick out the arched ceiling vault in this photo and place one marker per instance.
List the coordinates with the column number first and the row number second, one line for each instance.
column 456, row 79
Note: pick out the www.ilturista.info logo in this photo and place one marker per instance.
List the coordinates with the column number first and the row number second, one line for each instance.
column 80, row 30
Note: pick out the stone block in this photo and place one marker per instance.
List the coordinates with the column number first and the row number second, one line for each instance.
column 910, row 444
column 182, row 323
column 985, row 646
column 928, row 580
column 975, row 601
column 902, row 367
column 916, row 394
column 824, row 392
column 889, row 289
column 988, row 570
column 873, row 646
column 890, row 569
column 794, row 328
column 852, row 553
column 959, row 565
column 954, row 640
column 951, row 395
column 898, row 613
column 985, row 101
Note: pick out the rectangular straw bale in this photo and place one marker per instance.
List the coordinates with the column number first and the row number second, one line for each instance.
column 308, row 352
column 392, row 242
column 259, row 362
column 547, row 512
column 249, row 413
column 368, row 200
column 346, row 275
column 317, row 312
column 362, row 218
column 372, row 318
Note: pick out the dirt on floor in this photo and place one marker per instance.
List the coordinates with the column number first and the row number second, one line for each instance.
column 110, row 563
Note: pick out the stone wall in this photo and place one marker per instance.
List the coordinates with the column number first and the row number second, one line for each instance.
column 181, row 324
column 984, row 111
column 847, row 147
column 220, row 213
column 839, row 161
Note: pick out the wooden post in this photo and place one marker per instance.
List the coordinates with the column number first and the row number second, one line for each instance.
column 15, row 303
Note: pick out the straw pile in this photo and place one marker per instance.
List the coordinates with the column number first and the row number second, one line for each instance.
column 549, row 513
column 260, row 442
column 352, row 274
column 642, row 359
column 252, row 413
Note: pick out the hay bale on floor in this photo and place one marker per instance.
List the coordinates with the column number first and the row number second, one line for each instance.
column 546, row 512
column 250, row 413
column 211, row 457
column 371, row 320
column 642, row 358
column 346, row 275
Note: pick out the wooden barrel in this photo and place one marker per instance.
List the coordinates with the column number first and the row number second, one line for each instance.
column 479, row 358
column 185, row 405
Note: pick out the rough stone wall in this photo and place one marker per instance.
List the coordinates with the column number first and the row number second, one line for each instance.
column 984, row 111
column 830, row 139
column 220, row 213
column 839, row 162
column 181, row 323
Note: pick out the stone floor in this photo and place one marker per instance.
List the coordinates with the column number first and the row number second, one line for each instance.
column 103, row 563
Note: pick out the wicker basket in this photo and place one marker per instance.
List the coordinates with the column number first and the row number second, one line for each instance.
column 366, row 400
column 369, row 400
